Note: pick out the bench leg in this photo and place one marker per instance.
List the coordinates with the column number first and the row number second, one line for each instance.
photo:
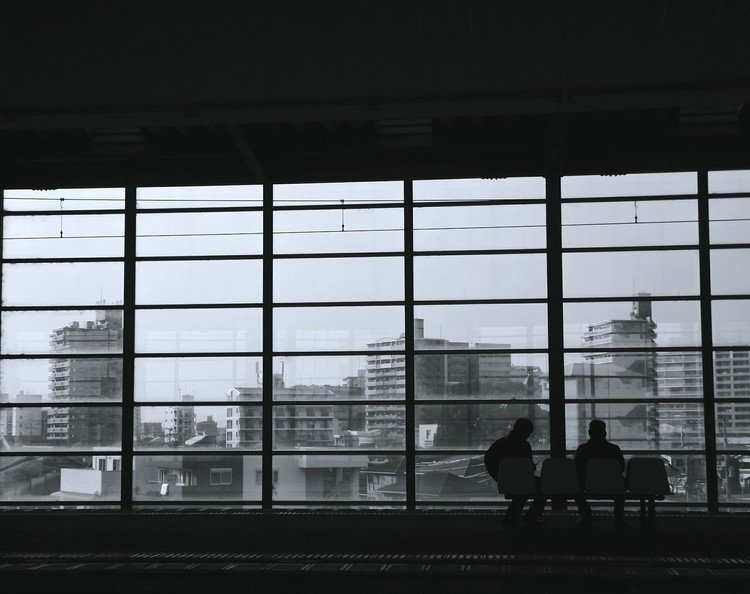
column 651, row 512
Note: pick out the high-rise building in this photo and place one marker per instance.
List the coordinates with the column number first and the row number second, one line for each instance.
column 460, row 374
column 179, row 422
column 86, row 378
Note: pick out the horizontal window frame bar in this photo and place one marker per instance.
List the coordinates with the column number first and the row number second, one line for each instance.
column 57, row 356
column 732, row 297
column 626, row 400
column 177, row 451
column 728, row 246
column 57, row 213
column 66, row 260
column 632, row 248
column 449, row 203
column 346, row 401
column 616, row 298
column 55, row 504
column 199, row 209
column 646, row 198
column 339, row 452
column 240, row 305
column 653, row 453
column 200, row 258
column 94, row 307
column 338, row 255
column 359, row 353
column 518, row 351
column 344, row 503
column 728, row 195
column 385, row 303
column 487, row 252
column 276, row 207
column 58, row 453
column 64, row 404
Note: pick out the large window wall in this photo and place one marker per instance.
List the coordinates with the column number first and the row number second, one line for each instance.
column 362, row 344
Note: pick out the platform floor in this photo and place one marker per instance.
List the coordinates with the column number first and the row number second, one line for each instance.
column 371, row 551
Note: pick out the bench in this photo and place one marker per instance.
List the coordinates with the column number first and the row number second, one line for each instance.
column 646, row 480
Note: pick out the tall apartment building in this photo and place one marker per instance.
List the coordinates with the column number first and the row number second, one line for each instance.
column 86, row 378
column 296, row 426
column 179, row 422
column 477, row 375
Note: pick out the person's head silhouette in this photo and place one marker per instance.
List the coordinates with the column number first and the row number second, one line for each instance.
column 597, row 429
column 522, row 429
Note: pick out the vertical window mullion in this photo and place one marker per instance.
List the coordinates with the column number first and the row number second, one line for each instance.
column 409, row 413
column 555, row 316
column 709, row 413
column 128, row 349
column 267, row 414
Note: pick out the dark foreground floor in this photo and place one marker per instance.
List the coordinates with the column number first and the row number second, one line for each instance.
column 370, row 552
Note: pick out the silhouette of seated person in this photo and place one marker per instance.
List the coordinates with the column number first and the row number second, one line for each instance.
column 515, row 445
column 597, row 447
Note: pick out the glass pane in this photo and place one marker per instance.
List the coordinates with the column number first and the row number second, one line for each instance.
column 480, row 277
column 642, row 323
column 336, row 231
column 199, row 196
column 724, row 267
column 60, row 428
column 731, row 322
column 81, row 283
column 652, row 374
column 200, row 234
column 330, row 426
column 199, row 330
column 74, row 332
column 733, row 426
column 336, row 328
column 631, row 184
column 732, row 374
column 477, row 426
column 617, row 274
column 338, row 193
column 209, row 281
column 448, row 190
column 480, row 376
column 338, row 279
column 319, row 378
column 686, row 475
column 335, row 477
column 40, row 236
column 615, row 224
column 60, row 479
column 204, row 378
column 727, row 182
column 639, row 426
column 733, row 474
column 197, row 427
column 515, row 326
column 65, row 199
column 43, row 380
column 196, row 478
column 454, row 478
column 729, row 220
column 480, row 227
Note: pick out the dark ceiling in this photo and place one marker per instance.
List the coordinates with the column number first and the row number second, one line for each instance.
column 340, row 89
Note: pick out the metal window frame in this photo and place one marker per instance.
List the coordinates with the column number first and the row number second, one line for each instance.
column 555, row 351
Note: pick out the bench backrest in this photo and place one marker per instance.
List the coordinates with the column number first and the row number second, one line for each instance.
column 647, row 476
column 559, row 477
column 516, row 476
column 604, row 477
